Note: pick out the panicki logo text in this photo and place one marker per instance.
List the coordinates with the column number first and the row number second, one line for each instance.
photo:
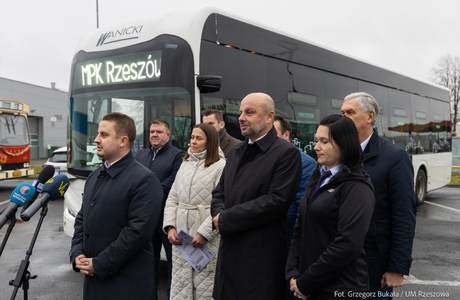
column 119, row 35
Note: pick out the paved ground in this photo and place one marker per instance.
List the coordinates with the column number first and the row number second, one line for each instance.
column 434, row 273
column 50, row 261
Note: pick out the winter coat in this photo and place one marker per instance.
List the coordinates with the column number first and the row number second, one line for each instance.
column 252, row 199
column 121, row 206
column 326, row 253
column 391, row 233
column 192, row 188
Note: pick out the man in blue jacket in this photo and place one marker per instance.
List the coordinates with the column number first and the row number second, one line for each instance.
column 390, row 236
column 164, row 160
column 283, row 129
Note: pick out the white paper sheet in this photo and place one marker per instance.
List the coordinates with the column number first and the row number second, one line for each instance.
column 198, row 258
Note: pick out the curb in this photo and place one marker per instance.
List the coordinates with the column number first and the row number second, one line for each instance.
column 453, row 185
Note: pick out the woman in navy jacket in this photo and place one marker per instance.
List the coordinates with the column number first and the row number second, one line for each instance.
column 326, row 258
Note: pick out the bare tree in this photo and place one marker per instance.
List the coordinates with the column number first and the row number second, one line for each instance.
column 447, row 73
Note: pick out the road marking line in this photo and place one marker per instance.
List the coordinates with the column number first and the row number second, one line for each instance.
column 446, row 207
column 411, row 279
column 4, row 202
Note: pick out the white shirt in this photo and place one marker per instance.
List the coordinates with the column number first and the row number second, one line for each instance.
column 334, row 171
column 108, row 166
column 251, row 142
column 364, row 144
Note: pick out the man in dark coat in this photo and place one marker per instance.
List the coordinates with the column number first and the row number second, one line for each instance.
column 121, row 206
column 227, row 142
column 249, row 207
column 164, row 160
column 390, row 236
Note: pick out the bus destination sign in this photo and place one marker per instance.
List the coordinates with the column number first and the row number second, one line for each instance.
column 128, row 68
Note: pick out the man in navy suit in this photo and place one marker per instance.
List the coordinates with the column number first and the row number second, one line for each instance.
column 121, row 206
column 164, row 160
column 390, row 236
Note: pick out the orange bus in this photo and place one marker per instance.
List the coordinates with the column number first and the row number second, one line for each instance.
column 14, row 140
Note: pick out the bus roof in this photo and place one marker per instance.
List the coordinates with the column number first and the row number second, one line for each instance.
column 218, row 26
column 20, row 107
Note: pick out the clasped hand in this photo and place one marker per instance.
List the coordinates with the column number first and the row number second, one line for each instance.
column 85, row 265
column 295, row 289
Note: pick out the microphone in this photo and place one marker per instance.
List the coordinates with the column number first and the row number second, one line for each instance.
column 53, row 189
column 46, row 173
column 20, row 196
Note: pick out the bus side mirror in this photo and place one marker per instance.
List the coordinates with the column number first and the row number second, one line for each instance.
column 209, row 83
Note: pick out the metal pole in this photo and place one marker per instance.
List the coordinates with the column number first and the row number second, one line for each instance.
column 97, row 12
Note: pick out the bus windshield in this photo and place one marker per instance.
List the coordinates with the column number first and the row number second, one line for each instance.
column 13, row 130
column 161, row 87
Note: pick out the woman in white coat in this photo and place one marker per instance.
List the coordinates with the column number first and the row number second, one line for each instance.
column 188, row 209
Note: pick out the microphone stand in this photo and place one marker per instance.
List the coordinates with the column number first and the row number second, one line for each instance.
column 23, row 276
column 8, row 232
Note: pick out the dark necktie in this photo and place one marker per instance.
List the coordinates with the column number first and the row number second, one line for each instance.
column 248, row 151
column 324, row 175
column 103, row 172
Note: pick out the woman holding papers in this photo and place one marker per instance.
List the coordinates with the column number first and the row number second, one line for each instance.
column 326, row 258
column 188, row 209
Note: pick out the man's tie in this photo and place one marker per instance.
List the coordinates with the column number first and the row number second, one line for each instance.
column 248, row 151
column 103, row 172
column 324, row 175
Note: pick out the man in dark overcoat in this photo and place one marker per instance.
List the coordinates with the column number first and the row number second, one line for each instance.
column 390, row 237
column 121, row 206
column 249, row 207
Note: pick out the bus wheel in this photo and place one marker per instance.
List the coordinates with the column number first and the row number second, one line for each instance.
column 420, row 187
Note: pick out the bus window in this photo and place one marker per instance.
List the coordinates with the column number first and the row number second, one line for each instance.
column 337, row 88
column 231, row 117
column 134, row 109
column 440, row 136
column 399, row 128
column 302, row 98
column 173, row 108
column 336, row 103
column 213, row 103
column 303, row 121
column 420, row 137
column 14, row 131
column 169, row 104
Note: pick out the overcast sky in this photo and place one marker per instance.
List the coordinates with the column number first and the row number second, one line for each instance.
column 38, row 38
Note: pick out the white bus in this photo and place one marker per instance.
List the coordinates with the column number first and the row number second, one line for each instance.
column 174, row 65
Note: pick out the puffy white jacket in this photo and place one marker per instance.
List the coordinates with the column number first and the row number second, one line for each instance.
column 188, row 208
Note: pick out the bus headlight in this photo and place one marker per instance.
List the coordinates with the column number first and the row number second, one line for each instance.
column 26, row 165
column 70, row 211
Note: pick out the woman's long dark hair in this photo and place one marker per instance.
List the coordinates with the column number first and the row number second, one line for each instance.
column 343, row 132
column 212, row 143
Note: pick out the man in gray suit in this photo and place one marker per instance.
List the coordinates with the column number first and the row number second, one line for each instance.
column 214, row 117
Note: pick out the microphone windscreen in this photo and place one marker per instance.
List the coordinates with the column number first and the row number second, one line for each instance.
column 22, row 194
column 56, row 186
column 46, row 173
